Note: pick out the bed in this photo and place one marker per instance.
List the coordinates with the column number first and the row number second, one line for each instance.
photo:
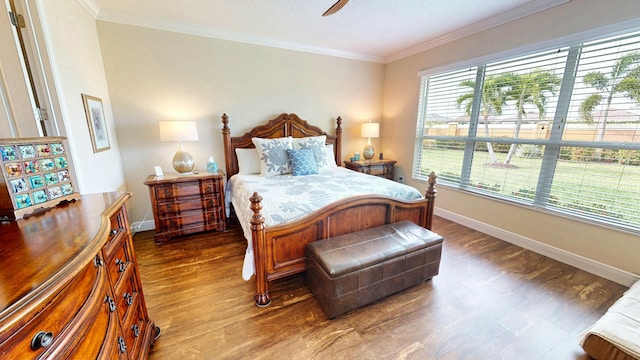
column 276, row 244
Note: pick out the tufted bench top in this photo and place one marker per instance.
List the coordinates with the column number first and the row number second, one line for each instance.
column 351, row 252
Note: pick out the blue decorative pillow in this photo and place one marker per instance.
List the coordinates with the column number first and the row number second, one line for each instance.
column 302, row 161
column 272, row 154
column 317, row 145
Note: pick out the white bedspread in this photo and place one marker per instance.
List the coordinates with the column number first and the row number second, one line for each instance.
column 287, row 197
column 620, row 325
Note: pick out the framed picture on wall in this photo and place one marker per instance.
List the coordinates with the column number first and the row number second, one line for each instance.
column 97, row 123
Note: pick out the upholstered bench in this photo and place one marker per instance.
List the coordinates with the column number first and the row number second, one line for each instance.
column 616, row 335
column 348, row 271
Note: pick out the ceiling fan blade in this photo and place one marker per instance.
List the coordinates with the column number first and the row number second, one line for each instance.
column 335, row 7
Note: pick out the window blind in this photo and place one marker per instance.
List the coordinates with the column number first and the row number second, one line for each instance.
column 558, row 130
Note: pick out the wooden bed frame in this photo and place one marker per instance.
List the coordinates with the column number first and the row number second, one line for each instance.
column 279, row 250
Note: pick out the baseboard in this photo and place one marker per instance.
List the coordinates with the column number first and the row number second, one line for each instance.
column 595, row 267
column 143, row 226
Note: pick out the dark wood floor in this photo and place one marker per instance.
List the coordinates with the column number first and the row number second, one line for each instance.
column 491, row 300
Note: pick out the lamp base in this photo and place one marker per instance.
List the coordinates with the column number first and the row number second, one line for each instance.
column 183, row 162
column 368, row 152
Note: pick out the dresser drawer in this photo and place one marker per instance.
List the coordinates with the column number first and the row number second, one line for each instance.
column 117, row 233
column 171, row 209
column 126, row 292
column 118, row 261
column 56, row 320
column 135, row 328
column 100, row 339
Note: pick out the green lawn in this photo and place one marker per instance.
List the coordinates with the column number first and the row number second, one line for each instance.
column 604, row 189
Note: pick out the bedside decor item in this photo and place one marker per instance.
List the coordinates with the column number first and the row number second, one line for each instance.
column 36, row 173
column 369, row 130
column 180, row 131
column 97, row 123
column 212, row 165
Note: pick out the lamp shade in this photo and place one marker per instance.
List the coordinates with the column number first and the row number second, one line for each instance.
column 370, row 130
column 178, row 131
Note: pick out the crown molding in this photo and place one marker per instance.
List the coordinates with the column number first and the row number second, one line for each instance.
column 91, row 7
column 529, row 8
column 220, row 34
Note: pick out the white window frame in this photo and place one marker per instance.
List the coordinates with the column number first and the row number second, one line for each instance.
column 552, row 145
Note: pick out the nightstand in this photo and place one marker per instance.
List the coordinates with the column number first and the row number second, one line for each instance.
column 187, row 203
column 382, row 168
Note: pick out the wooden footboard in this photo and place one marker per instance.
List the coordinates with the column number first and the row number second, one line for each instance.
column 279, row 250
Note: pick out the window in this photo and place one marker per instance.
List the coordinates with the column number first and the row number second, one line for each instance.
column 558, row 130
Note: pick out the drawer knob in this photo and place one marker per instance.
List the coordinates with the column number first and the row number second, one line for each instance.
column 208, row 189
column 41, row 340
column 136, row 330
column 122, row 265
column 97, row 261
column 129, row 298
column 121, row 344
column 112, row 304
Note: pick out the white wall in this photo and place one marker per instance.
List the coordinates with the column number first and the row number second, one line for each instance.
column 577, row 240
column 76, row 61
column 158, row 75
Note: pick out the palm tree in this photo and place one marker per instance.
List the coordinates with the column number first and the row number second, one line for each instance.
column 530, row 89
column 493, row 97
column 623, row 78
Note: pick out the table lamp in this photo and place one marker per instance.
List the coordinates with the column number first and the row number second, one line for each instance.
column 369, row 130
column 180, row 131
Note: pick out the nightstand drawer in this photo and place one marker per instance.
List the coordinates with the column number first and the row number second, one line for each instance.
column 209, row 187
column 177, row 190
column 382, row 168
column 170, row 209
column 190, row 219
column 376, row 170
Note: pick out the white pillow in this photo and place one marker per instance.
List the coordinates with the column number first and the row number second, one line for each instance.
column 272, row 154
column 331, row 157
column 317, row 145
column 248, row 161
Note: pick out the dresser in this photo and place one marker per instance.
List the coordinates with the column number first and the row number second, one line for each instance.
column 382, row 168
column 187, row 203
column 70, row 286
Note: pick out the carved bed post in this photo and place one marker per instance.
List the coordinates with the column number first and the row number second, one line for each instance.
column 338, row 146
column 431, row 196
column 262, row 297
column 226, row 133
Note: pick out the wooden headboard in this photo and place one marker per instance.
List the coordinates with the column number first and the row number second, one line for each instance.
column 282, row 126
